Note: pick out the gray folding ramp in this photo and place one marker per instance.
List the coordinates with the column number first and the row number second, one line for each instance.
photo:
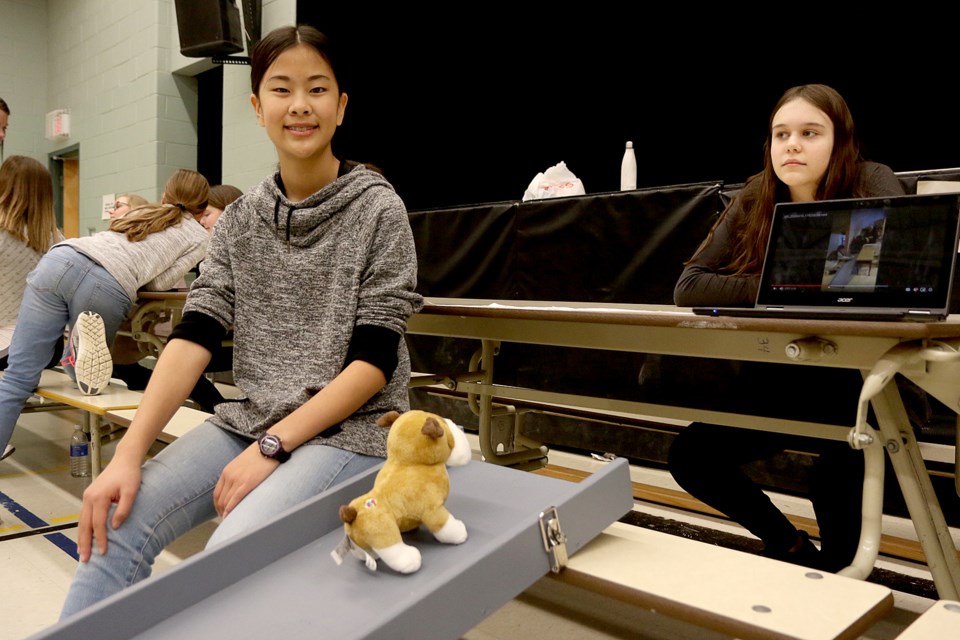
column 280, row 580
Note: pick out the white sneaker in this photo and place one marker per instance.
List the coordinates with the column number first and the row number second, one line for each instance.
column 93, row 364
column 7, row 450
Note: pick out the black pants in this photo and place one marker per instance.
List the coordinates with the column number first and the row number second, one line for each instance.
column 707, row 460
column 204, row 393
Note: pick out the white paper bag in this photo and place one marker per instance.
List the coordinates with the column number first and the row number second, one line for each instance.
column 555, row 182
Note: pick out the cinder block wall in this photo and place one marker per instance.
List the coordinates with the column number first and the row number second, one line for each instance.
column 248, row 155
column 23, row 75
column 109, row 64
column 116, row 65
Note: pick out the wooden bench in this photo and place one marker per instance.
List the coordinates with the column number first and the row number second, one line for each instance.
column 105, row 414
column 62, row 393
column 940, row 622
column 729, row 591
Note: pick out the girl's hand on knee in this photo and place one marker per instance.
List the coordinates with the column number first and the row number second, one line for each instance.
column 240, row 477
column 117, row 484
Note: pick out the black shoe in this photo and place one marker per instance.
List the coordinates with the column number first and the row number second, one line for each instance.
column 806, row 555
column 206, row 394
column 135, row 376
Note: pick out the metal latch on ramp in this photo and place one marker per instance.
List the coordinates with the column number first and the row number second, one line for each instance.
column 554, row 540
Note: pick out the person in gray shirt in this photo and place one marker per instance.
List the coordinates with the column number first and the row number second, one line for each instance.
column 314, row 270
column 97, row 278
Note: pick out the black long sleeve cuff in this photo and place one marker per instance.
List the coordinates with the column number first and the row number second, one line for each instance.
column 374, row 345
column 201, row 329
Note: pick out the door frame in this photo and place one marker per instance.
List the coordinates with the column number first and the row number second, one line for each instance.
column 55, row 165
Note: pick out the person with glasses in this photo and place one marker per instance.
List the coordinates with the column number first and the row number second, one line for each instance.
column 125, row 203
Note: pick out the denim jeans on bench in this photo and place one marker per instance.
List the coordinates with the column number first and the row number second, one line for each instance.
column 64, row 283
column 176, row 495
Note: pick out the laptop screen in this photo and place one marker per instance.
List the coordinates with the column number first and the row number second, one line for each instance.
column 894, row 252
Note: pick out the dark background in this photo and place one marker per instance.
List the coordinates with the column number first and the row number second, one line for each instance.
column 467, row 104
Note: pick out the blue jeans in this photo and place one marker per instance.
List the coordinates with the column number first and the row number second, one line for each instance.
column 176, row 495
column 63, row 284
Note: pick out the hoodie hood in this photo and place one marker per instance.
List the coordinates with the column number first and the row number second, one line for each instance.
column 302, row 223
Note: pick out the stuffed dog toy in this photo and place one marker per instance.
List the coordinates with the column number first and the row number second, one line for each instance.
column 409, row 490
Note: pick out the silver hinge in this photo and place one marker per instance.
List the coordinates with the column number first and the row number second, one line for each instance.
column 554, row 540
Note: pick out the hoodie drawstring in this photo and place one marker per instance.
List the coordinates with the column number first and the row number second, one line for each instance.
column 276, row 217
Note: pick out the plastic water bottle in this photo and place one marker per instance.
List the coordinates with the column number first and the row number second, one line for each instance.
column 79, row 454
column 628, row 169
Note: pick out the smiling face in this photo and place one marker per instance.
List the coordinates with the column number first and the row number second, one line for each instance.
column 801, row 146
column 300, row 105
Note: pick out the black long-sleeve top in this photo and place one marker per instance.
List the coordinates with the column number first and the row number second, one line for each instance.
column 703, row 283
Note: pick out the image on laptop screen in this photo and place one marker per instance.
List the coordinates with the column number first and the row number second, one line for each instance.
column 896, row 252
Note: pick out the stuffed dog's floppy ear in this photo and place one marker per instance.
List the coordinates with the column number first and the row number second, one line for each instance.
column 347, row 514
column 388, row 418
column 432, row 429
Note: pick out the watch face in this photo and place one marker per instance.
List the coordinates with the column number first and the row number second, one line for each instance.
column 269, row 446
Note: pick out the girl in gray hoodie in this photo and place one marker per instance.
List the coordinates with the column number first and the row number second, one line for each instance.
column 314, row 269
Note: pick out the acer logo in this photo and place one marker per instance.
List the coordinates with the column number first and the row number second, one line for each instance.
column 844, row 299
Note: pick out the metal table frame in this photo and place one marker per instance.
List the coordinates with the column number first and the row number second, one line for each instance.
column 926, row 353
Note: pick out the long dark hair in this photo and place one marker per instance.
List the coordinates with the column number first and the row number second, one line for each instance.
column 763, row 190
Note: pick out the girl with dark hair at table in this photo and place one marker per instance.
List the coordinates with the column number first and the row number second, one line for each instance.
column 126, row 353
column 314, row 269
column 811, row 153
column 220, row 196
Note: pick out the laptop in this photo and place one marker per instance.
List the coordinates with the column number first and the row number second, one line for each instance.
column 886, row 258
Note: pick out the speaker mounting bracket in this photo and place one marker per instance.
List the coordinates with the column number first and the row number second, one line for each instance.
column 230, row 60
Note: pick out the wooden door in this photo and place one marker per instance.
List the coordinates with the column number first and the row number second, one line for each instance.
column 71, row 197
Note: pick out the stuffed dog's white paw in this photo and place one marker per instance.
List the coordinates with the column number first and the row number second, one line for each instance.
column 453, row 532
column 400, row 557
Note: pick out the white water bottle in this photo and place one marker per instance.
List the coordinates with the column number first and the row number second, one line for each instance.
column 79, row 454
column 628, row 169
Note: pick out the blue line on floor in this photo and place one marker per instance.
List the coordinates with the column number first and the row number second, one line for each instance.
column 65, row 543
column 32, row 521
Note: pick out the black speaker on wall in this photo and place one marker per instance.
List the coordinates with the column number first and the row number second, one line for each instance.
column 209, row 28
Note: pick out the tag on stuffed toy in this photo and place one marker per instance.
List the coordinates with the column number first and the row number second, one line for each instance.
column 345, row 547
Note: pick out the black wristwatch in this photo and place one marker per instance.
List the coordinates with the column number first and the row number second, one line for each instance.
column 272, row 447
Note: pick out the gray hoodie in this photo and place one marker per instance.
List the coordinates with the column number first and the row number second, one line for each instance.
column 293, row 280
